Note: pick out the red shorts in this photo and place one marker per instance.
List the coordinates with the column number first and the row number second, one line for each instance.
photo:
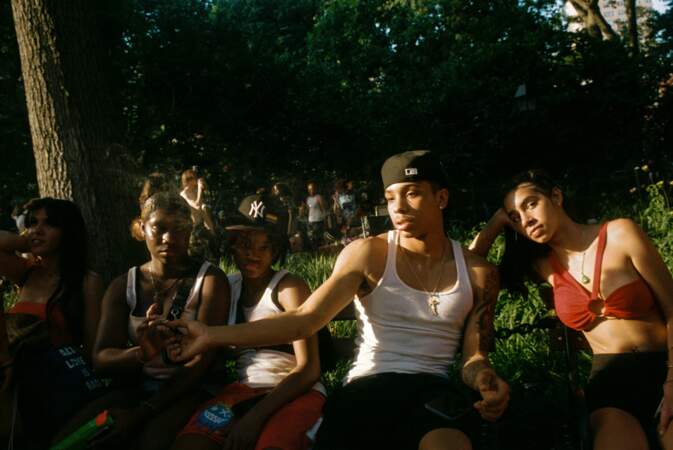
column 286, row 428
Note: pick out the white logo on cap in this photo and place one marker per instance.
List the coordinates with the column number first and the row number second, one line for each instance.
column 257, row 209
column 411, row 171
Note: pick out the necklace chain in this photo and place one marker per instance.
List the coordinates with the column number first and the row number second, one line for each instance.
column 583, row 277
column 433, row 299
column 158, row 294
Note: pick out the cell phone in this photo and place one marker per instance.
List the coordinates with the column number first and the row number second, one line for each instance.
column 449, row 405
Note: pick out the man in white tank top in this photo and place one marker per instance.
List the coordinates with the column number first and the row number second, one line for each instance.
column 417, row 295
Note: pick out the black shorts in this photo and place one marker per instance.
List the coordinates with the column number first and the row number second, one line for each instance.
column 632, row 382
column 386, row 411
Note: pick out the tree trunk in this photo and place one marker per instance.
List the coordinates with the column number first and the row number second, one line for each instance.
column 632, row 26
column 594, row 22
column 72, row 122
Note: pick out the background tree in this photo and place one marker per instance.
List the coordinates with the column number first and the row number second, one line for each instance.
column 73, row 128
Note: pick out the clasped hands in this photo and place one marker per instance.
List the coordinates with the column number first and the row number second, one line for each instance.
column 156, row 334
column 183, row 340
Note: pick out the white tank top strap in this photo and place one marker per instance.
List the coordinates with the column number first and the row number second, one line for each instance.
column 391, row 255
column 131, row 298
column 462, row 274
column 273, row 283
column 235, row 284
column 195, row 294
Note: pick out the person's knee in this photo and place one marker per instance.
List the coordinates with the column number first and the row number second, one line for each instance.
column 613, row 428
column 609, row 418
column 445, row 439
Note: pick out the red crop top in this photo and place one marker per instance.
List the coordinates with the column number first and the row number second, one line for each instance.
column 58, row 331
column 572, row 300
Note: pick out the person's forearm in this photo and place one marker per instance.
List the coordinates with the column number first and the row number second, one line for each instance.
column 199, row 195
column 472, row 367
column 279, row 329
column 295, row 384
column 208, row 220
column 483, row 241
column 114, row 361
column 12, row 242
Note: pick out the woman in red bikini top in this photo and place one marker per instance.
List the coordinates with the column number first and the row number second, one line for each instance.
column 57, row 307
column 610, row 283
column 48, row 263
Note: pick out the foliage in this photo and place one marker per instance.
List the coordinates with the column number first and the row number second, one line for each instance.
column 256, row 91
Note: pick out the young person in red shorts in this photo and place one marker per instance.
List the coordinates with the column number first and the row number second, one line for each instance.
column 418, row 295
column 610, row 283
column 279, row 383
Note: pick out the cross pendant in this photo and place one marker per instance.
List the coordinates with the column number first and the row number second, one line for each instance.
column 433, row 301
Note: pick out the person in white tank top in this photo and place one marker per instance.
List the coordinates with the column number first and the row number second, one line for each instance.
column 417, row 295
column 315, row 226
column 156, row 396
column 281, row 384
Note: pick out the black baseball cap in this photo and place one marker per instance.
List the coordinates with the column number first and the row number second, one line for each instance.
column 414, row 165
column 258, row 212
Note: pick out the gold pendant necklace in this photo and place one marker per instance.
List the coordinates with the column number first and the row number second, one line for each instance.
column 433, row 296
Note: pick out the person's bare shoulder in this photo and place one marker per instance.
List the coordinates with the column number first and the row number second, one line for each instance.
column 623, row 228
column 481, row 271
column 292, row 281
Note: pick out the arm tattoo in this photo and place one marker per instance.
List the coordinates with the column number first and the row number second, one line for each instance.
column 485, row 311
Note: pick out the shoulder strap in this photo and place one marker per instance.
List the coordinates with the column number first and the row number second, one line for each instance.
column 195, row 293
column 273, row 283
column 180, row 299
column 598, row 264
column 462, row 273
column 391, row 254
column 131, row 299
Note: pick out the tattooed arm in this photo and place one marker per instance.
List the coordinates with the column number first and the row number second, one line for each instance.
column 479, row 339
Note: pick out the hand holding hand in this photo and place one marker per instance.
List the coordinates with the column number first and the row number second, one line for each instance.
column 152, row 334
column 494, row 393
column 191, row 340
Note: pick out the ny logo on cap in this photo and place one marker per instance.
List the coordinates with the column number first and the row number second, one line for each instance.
column 411, row 171
column 257, row 209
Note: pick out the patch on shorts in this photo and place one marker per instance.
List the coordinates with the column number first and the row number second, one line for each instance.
column 215, row 416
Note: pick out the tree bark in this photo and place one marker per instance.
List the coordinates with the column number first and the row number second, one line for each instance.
column 594, row 22
column 632, row 26
column 72, row 122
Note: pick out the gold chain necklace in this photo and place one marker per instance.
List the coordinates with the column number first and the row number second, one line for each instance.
column 433, row 296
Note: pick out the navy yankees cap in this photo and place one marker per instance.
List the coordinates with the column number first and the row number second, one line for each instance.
column 259, row 212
